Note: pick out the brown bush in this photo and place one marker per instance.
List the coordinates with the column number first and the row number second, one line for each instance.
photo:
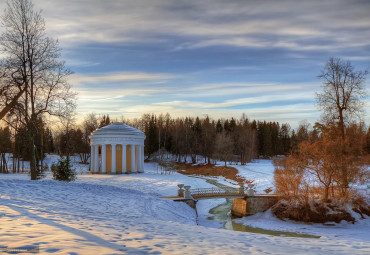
column 360, row 204
column 313, row 212
column 287, row 176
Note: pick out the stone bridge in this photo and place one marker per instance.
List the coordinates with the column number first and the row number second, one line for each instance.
column 204, row 193
column 245, row 202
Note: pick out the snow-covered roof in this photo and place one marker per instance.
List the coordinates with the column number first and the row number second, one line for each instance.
column 118, row 129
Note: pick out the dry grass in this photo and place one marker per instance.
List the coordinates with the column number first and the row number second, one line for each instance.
column 210, row 170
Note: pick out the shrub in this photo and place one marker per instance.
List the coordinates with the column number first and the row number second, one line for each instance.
column 53, row 167
column 360, row 204
column 62, row 171
column 288, row 176
column 313, row 211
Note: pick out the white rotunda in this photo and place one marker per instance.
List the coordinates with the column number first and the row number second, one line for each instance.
column 117, row 148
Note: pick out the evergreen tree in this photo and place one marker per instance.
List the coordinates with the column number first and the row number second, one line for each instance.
column 285, row 139
column 219, row 128
column 105, row 121
column 63, row 170
column 151, row 133
column 5, row 147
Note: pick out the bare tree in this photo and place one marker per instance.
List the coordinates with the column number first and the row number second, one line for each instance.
column 245, row 140
column 68, row 122
column 224, row 147
column 343, row 89
column 209, row 134
column 32, row 64
column 89, row 124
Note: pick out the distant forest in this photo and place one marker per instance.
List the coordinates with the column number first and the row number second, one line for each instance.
column 228, row 140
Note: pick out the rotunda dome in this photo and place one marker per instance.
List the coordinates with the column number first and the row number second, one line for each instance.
column 118, row 129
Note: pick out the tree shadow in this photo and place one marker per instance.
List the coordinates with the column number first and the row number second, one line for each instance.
column 89, row 237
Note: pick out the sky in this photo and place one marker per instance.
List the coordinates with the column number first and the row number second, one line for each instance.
column 197, row 57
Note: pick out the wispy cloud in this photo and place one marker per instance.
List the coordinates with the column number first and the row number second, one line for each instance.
column 249, row 91
column 110, row 96
column 240, row 101
column 120, row 77
column 288, row 24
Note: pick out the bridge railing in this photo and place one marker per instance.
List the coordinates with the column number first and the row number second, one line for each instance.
column 213, row 191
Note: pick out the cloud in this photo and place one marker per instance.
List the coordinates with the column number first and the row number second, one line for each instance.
column 120, row 77
column 357, row 58
column 250, row 91
column 104, row 94
column 240, row 101
column 80, row 63
column 287, row 24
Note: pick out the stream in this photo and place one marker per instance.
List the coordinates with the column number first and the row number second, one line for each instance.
column 221, row 216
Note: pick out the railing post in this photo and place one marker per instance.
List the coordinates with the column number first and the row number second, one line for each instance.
column 187, row 192
column 250, row 189
column 180, row 191
column 241, row 188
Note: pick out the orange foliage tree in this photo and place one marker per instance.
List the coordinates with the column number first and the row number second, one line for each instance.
column 288, row 176
column 321, row 161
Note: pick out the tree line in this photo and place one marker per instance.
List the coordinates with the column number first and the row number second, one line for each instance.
column 232, row 139
column 228, row 140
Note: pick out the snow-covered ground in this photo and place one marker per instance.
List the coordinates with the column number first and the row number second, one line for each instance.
column 260, row 171
column 348, row 232
column 114, row 214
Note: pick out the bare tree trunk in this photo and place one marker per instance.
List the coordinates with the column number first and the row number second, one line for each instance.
column 5, row 165
column 33, row 162
column 42, row 145
column 341, row 124
column 326, row 193
column 14, row 166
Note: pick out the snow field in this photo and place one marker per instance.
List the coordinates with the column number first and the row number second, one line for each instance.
column 115, row 214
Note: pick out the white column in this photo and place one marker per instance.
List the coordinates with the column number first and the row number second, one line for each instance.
column 133, row 168
column 138, row 158
column 113, row 158
column 124, row 170
column 92, row 161
column 96, row 158
column 142, row 159
column 104, row 158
